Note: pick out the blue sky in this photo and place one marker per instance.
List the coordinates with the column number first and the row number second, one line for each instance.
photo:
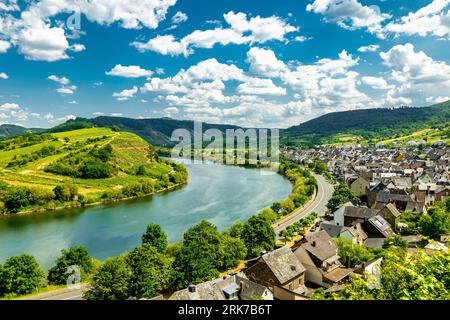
column 251, row 63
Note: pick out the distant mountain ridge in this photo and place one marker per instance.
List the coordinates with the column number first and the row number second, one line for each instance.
column 365, row 124
column 368, row 124
column 11, row 130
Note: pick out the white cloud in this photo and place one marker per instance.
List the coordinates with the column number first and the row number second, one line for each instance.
column 179, row 17
column 9, row 5
column 166, row 45
column 77, row 47
column 129, row 72
column 241, row 30
column 4, row 46
column 432, row 19
column 418, row 76
column 3, row 76
column 437, row 99
column 60, row 80
column 38, row 40
column 67, row 90
column 375, row 82
column 369, row 48
column 264, row 62
column 350, row 14
column 98, row 114
column 126, row 94
column 73, row 102
column 302, row 38
column 257, row 86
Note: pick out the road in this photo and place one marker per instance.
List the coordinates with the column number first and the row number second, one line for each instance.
column 63, row 294
column 318, row 205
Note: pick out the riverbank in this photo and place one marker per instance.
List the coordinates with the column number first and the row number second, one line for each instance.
column 98, row 203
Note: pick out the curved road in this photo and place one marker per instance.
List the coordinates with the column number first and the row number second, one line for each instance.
column 318, row 205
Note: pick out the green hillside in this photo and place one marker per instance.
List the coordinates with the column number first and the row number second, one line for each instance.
column 99, row 163
column 369, row 125
column 155, row 131
column 11, row 130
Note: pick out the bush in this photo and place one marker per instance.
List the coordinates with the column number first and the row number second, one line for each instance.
column 75, row 256
column 20, row 275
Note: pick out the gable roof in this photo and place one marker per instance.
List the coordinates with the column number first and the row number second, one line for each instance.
column 320, row 245
column 359, row 212
column 284, row 264
column 393, row 209
column 382, row 226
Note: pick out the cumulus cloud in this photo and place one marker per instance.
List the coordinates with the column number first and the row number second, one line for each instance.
column 129, row 72
column 126, row 94
column 241, row 30
column 350, row 14
column 417, row 75
column 4, row 46
column 179, row 17
column 433, row 19
column 37, row 39
column 369, row 48
column 257, row 86
column 264, row 62
column 3, row 76
column 375, row 82
column 60, row 80
column 65, row 87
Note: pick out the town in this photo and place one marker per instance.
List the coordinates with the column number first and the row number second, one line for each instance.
column 389, row 187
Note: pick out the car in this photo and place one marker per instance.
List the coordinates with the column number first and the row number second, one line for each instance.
column 313, row 229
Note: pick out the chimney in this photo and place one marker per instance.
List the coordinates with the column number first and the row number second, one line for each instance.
column 192, row 288
column 313, row 243
column 293, row 268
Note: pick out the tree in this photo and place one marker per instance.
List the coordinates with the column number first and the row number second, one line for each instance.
column 258, row 235
column 65, row 192
column 150, row 271
column 20, row 275
column 341, row 194
column 395, row 241
column 156, row 237
column 352, row 254
column 200, row 256
column 236, row 229
column 94, row 169
column 75, row 256
column 110, row 282
column 436, row 222
column 17, row 198
column 233, row 250
column 276, row 207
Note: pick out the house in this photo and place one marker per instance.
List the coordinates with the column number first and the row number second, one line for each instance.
column 318, row 254
column 377, row 227
column 354, row 233
column 338, row 215
column 442, row 194
column 359, row 186
column 282, row 272
column 371, row 270
column 357, row 214
column 234, row 287
column 390, row 214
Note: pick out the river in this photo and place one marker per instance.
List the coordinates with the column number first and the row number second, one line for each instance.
column 218, row 193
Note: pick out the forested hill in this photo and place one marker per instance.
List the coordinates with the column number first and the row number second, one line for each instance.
column 368, row 124
column 155, row 131
column 11, row 130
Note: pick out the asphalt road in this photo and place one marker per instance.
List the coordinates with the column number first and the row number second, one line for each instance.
column 318, row 205
column 63, row 294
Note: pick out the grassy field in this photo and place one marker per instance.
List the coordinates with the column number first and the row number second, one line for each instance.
column 129, row 152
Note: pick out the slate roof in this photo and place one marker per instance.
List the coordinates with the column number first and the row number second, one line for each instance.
column 359, row 212
column 320, row 245
column 284, row 264
column 393, row 209
column 382, row 226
